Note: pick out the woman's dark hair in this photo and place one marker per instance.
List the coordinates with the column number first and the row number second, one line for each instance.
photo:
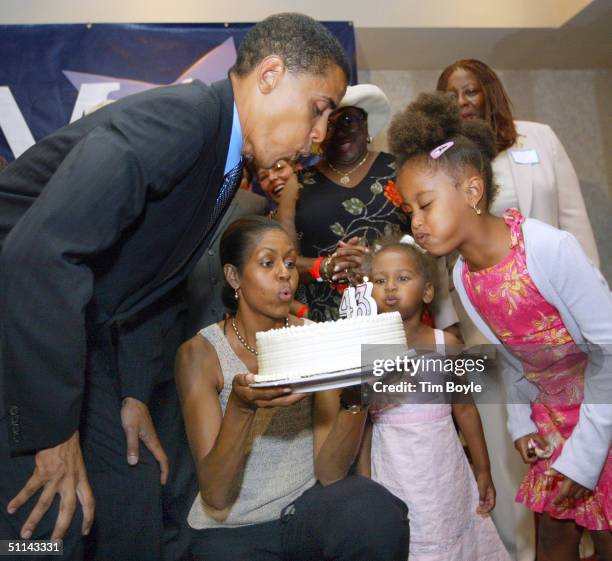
column 434, row 119
column 236, row 243
column 305, row 45
column 498, row 107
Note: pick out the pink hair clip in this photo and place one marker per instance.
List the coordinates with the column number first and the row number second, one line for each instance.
column 439, row 150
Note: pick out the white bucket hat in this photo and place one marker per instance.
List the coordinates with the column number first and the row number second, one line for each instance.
column 373, row 101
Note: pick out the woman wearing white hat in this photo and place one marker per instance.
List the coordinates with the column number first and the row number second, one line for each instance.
column 346, row 199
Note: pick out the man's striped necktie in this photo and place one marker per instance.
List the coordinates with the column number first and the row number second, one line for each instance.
column 230, row 184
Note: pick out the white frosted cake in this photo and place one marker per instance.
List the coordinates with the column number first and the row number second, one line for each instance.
column 317, row 348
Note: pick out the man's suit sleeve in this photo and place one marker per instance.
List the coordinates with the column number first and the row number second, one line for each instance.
column 46, row 282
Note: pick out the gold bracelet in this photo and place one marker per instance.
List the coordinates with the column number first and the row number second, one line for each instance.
column 326, row 276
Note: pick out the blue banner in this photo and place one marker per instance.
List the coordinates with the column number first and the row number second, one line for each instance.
column 51, row 74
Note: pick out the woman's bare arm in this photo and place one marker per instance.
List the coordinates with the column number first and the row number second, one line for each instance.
column 337, row 437
column 218, row 442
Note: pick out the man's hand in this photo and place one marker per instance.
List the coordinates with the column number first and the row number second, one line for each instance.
column 59, row 470
column 138, row 425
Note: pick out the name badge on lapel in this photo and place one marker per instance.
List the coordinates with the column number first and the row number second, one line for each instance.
column 526, row 156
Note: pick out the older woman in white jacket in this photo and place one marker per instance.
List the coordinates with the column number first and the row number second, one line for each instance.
column 532, row 170
column 535, row 175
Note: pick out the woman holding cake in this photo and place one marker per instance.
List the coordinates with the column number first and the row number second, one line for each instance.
column 271, row 464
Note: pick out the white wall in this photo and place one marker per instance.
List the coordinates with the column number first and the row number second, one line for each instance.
column 386, row 13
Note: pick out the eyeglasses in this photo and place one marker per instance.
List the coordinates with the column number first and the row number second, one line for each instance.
column 347, row 118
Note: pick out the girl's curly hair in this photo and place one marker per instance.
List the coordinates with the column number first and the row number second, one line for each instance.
column 433, row 119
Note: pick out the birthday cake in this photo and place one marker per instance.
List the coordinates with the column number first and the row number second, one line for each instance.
column 297, row 352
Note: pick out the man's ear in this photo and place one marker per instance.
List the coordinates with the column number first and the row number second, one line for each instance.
column 231, row 276
column 428, row 293
column 269, row 73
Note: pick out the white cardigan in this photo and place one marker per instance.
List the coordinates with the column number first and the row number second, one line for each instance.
column 570, row 282
column 549, row 189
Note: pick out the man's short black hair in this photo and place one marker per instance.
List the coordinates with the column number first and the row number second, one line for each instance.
column 304, row 45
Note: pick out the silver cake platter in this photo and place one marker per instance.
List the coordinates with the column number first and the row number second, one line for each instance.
column 332, row 380
column 328, row 380
column 321, row 382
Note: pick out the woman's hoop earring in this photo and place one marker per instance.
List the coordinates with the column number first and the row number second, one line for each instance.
column 477, row 210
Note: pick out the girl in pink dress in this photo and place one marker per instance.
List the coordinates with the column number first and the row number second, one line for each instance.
column 413, row 448
column 529, row 287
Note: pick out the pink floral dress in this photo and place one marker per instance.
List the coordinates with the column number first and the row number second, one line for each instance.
column 532, row 329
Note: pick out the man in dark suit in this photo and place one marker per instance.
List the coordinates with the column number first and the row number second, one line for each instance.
column 100, row 224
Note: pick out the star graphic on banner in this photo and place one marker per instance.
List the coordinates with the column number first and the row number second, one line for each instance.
column 209, row 68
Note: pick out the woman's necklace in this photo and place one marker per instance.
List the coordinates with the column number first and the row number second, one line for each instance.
column 344, row 175
column 243, row 341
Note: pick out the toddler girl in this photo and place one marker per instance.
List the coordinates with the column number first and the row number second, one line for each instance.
column 413, row 448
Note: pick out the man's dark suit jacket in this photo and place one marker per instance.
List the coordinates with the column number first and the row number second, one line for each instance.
column 205, row 283
column 100, row 223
